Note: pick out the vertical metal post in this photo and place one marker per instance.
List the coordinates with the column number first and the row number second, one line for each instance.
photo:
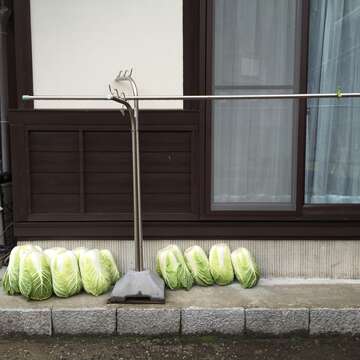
column 134, row 122
column 4, row 17
column 136, row 182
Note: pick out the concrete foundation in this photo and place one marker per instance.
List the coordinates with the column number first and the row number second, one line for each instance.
column 331, row 259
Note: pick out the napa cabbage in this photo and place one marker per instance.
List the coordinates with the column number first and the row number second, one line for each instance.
column 10, row 279
column 94, row 274
column 198, row 264
column 245, row 267
column 220, row 264
column 172, row 267
column 35, row 281
column 110, row 265
column 65, row 274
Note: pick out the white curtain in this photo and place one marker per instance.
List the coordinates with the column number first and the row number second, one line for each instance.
column 253, row 142
column 333, row 126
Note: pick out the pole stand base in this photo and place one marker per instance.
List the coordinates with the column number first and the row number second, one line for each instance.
column 138, row 287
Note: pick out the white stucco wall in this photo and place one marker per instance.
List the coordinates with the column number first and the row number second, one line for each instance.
column 79, row 46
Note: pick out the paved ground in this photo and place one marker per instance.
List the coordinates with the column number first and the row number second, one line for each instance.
column 268, row 309
column 175, row 348
column 267, row 295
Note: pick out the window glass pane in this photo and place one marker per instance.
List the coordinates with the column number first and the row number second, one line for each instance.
column 254, row 142
column 333, row 125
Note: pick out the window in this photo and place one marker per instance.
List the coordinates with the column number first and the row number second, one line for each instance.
column 255, row 144
column 333, row 126
column 255, row 50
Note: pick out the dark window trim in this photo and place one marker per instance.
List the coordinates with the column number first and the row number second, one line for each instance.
column 23, row 55
column 190, row 230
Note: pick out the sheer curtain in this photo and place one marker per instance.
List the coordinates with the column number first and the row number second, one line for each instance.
column 333, row 126
column 254, row 142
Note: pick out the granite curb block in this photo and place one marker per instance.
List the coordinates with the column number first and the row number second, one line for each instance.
column 335, row 321
column 277, row 322
column 148, row 321
column 202, row 321
column 173, row 321
column 25, row 322
column 92, row 321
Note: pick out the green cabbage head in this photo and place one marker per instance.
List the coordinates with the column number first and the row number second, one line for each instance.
column 110, row 265
column 52, row 252
column 65, row 274
column 220, row 264
column 35, row 276
column 94, row 275
column 198, row 264
column 78, row 251
column 11, row 277
column 245, row 267
column 171, row 265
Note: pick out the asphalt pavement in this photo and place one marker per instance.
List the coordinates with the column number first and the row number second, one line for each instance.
column 121, row 348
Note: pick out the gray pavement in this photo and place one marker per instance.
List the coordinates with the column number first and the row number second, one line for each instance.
column 267, row 310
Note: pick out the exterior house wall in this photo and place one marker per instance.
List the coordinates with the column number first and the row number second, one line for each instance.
column 54, row 196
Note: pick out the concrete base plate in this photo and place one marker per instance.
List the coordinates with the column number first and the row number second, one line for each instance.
column 138, row 287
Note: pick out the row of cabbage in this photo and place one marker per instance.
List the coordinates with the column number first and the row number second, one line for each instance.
column 183, row 270
column 37, row 274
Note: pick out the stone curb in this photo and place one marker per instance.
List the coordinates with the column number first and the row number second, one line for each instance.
column 92, row 321
column 277, row 322
column 174, row 321
column 334, row 321
column 25, row 322
column 148, row 321
column 202, row 321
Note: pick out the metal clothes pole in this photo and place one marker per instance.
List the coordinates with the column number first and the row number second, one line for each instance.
column 134, row 122
column 337, row 95
column 137, row 185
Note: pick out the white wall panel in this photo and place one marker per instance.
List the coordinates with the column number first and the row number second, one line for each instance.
column 79, row 46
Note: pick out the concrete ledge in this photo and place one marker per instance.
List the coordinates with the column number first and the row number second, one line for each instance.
column 277, row 322
column 335, row 321
column 148, row 321
column 96, row 321
column 25, row 321
column 201, row 321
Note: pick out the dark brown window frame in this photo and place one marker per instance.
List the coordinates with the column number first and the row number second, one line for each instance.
column 302, row 211
column 307, row 222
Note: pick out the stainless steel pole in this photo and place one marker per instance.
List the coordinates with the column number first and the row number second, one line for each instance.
column 136, row 182
column 4, row 17
column 337, row 95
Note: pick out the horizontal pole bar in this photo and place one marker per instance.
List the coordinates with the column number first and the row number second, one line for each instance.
column 65, row 97
column 196, row 97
